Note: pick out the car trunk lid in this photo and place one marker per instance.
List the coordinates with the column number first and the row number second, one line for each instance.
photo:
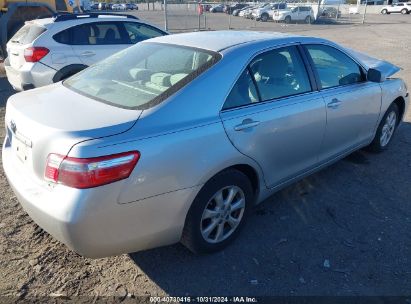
column 53, row 119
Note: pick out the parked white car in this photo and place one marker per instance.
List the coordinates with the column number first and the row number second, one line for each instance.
column 49, row 50
column 118, row 6
column 403, row 8
column 266, row 13
column 249, row 13
column 298, row 13
column 245, row 11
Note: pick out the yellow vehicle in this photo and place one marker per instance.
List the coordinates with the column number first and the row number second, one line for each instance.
column 13, row 14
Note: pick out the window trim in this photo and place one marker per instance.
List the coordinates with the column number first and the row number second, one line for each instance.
column 317, row 76
column 307, row 67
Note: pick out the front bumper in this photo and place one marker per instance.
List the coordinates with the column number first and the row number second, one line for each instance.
column 91, row 221
column 29, row 75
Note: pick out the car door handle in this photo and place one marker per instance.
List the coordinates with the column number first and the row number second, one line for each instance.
column 88, row 54
column 246, row 124
column 335, row 103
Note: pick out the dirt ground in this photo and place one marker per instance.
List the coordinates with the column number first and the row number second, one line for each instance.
column 343, row 231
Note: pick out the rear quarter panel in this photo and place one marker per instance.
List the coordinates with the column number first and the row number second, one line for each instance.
column 170, row 162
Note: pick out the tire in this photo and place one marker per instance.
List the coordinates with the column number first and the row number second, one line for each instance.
column 386, row 125
column 264, row 17
column 308, row 19
column 404, row 11
column 287, row 19
column 384, row 12
column 195, row 235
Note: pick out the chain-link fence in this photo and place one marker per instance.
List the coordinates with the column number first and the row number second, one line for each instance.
column 192, row 16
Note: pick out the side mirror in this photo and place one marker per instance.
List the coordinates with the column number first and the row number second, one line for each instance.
column 374, row 75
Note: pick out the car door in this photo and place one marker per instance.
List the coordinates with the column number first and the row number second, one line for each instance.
column 95, row 41
column 353, row 104
column 275, row 116
column 398, row 7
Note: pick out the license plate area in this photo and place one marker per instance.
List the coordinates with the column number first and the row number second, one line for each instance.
column 21, row 148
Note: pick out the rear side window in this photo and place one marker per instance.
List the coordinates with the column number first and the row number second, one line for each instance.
column 63, row 37
column 333, row 67
column 97, row 33
column 138, row 32
column 280, row 73
column 27, row 34
column 243, row 93
column 274, row 74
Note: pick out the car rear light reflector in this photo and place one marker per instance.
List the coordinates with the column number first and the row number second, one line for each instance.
column 35, row 54
column 84, row 173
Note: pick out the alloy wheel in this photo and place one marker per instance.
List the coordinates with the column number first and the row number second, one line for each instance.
column 222, row 214
column 388, row 128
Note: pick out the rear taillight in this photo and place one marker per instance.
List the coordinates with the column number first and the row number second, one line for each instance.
column 35, row 54
column 90, row 172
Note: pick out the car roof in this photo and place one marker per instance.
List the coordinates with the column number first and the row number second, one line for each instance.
column 51, row 20
column 219, row 40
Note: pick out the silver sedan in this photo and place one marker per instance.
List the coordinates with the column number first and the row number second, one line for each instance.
column 176, row 138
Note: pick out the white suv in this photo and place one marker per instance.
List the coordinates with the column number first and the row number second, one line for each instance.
column 267, row 12
column 49, row 50
column 299, row 13
column 403, row 8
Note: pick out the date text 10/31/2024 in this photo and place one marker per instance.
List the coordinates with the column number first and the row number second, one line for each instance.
column 188, row 299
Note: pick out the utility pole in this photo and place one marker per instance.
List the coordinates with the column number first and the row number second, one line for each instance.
column 165, row 16
column 365, row 11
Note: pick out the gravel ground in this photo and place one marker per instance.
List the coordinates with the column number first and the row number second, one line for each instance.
column 342, row 231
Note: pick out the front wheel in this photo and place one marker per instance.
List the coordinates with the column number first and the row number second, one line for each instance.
column 218, row 212
column 287, row 19
column 264, row 17
column 384, row 12
column 385, row 130
column 404, row 11
column 308, row 19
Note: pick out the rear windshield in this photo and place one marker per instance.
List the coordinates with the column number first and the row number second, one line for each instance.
column 143, row 75
column 27, row 34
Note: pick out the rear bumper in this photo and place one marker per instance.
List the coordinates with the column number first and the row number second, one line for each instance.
column 29, row 76
column 91, row 221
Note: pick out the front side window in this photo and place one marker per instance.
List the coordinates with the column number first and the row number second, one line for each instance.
column 334, row 68
column 143, row 75
column 274, row 74
column 138, row 32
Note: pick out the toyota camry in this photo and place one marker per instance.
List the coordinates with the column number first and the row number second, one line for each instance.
column 138, row 152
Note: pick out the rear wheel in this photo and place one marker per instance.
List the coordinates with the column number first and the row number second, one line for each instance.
column 404, row 11
column 264, row 17
column 384, row 12
column 287, row 19
column 385, row 130
column 308, row 19
column 218, row 212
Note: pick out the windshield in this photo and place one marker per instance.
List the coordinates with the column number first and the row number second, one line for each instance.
column 143, row 75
